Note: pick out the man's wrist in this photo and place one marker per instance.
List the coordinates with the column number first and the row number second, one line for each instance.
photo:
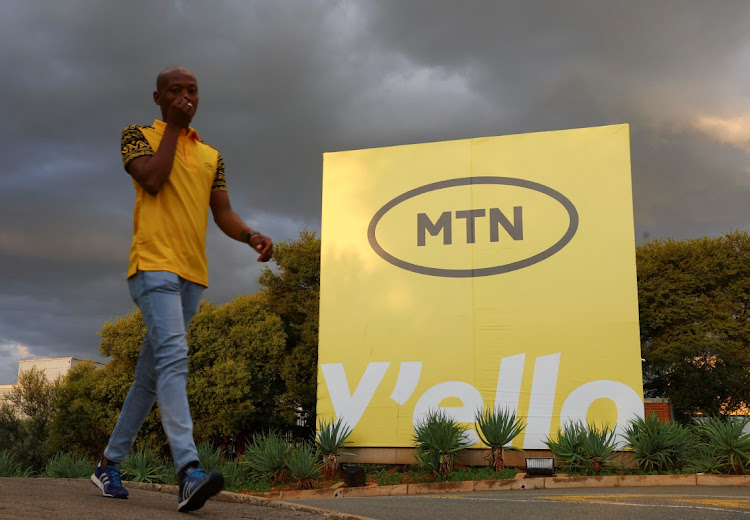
column 249, row 237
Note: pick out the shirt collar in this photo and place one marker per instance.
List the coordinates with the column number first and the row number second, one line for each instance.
column 191, row 133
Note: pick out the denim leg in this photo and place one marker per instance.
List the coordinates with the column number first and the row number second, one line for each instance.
column 167, row 303
column 138, row 403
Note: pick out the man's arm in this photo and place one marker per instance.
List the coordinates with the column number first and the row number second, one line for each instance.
column 233, row 226
column 151, row 172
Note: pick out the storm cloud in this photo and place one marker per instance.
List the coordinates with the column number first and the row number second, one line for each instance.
column 284, row 82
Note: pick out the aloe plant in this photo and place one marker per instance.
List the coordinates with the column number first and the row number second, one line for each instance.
column 578, row 446
column 266, row 455
column 598, row 446
column 304, row 465
column 234, row 475
column 9, row 466
column 567, row 445
column 727, row 442
column 706, row 460
column 497, row 428
column 210, row 458
column 67, row 465
column 144, row 466
column 438, row 440
column 658, row 446
column 330, row 440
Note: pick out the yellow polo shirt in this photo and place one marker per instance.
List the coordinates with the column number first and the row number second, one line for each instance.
column 169, row 228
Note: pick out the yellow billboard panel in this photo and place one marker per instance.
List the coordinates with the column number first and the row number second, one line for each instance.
column 479, row 273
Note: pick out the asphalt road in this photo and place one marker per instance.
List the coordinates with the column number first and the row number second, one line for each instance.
column 62, row 499
column 665, row 503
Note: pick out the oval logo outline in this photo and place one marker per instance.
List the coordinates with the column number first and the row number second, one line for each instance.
column 483, row 271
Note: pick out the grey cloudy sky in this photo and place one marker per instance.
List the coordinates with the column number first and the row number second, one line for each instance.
column 283, row 82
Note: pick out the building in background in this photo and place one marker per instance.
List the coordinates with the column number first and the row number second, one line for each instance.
column 52, row 368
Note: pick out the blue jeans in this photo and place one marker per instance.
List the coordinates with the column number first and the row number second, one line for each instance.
column 167, row 303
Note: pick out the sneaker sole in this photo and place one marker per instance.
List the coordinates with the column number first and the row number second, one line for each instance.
column 212, row 485
column 98, row 483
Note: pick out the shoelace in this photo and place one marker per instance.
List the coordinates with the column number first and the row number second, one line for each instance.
column 114, row 475
column 195, row 473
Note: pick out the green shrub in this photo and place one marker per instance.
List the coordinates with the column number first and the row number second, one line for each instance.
column 598, row 446
column 144, row 466
column 580, row 448
column 67, row 465
column 497, row 427
column 568, row 446
column 234, row 475
column 725, row 443
column 659, row 446
column 438, row 440
column 10, row 467
column 266, row 456
column 330, row 440
column 210, row 458
column 303, row 463
column 706, row 460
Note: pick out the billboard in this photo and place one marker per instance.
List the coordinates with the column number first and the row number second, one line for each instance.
column 478, row 273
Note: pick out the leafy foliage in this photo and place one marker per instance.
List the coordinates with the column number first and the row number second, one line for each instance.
column 438, row 440
column 67, row 465
column 34, row 399
column 598, row 446
column 11, row 428
column 567, row 447
column 234, row 475
column 580, row 447
column 303, row 463
column 707, row 460
column 726, row 443
column 209, row 457
column 236, row 355
column 144, row 465
column 266, row 455
column 694, row 300
column 497, row 428
column 252, row 365
column 84, row 417
column 330, row 440
column 293, row 292
column 33, row 395
column 659, row 446
column 9, row 466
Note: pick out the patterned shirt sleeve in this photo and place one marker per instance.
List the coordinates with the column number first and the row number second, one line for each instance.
column 134, row 145
column 220, row 182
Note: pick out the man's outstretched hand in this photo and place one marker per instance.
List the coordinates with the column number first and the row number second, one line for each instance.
column 263, row 245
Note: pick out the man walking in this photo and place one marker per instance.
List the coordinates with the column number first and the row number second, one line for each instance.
column 177, row 178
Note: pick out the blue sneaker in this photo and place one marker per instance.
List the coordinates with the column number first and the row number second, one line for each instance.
column 107, row 478
column 197, row 487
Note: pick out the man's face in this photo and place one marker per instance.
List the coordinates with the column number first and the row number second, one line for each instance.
column 178, row 83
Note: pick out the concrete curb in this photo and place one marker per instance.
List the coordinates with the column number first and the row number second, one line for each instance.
column 521, row 481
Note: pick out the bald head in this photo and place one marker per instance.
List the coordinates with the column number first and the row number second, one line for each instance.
column 177, row 95
column 163, row 78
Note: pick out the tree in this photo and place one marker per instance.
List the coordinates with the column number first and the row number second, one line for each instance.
column 236, row 357
column 234, row 380
column 293, row 292
column 85, row 416
column 34, row 398
column 694, row 299
column 252, row 364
